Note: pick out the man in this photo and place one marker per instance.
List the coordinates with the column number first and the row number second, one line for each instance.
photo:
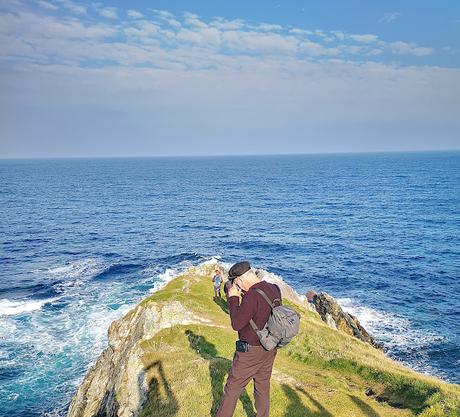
column 256, row 363
column 217, row 282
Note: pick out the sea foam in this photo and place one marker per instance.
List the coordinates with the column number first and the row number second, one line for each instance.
column 12, row 307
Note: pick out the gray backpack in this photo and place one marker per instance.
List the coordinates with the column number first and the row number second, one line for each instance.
column 282, row 324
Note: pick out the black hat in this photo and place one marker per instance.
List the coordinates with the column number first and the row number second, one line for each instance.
column 238, row 269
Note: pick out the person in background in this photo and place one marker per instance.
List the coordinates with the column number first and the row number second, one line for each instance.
column 217, row 282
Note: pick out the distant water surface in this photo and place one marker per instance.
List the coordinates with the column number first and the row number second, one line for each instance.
column 83, row 240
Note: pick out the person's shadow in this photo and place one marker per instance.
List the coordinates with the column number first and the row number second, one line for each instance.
column 161, row 401
column 218, row 369
column 222, row 303
column 295, row 408
column 365, row 408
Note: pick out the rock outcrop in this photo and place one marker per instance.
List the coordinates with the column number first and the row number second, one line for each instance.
column 331, row 313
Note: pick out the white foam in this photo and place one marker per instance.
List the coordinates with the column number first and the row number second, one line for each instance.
column 397, row 334
column 7, row 329
column 226, row 265
column 393, row 330
column 74, row 274
column 213, row 261
column 162, row 279
column 93, row 330
column 61, row 342
column 78, row 268
column 10, row 307
column 286, row 289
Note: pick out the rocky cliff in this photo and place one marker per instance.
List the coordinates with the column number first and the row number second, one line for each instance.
column 170, row 355
column 332, row 314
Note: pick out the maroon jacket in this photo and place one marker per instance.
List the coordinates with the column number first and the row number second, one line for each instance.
column 253, row 306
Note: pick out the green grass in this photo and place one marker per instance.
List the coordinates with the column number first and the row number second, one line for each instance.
column 321, row 373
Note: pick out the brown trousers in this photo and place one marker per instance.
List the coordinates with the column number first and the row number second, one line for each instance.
column 257, row 364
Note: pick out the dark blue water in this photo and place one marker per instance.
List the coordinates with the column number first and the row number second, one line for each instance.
column 83, row 240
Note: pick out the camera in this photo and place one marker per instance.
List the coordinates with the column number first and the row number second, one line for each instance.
column 242, row 346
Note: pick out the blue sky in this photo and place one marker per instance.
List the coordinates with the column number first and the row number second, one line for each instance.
column 194, row 78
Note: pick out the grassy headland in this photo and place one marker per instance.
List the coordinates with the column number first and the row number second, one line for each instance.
column 177, row 367
column 321, row 373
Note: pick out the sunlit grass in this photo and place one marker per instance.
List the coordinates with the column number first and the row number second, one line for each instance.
column 321, row 373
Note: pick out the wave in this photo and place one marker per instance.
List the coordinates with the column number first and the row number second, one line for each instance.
column 65, row 341
column 401, row 340
column 170, row 273
column 86, row 267
column 7, row 329
column 394, row 330
column 13, row 307
column 75, row 274
column 117, row 269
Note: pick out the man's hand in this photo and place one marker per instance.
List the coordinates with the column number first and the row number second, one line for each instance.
column 233, row 290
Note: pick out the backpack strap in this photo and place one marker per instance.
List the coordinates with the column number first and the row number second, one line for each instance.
column 270, row 303
column 281, row 298
column 262, row 293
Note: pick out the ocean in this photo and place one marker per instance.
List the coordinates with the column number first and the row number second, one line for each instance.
column 84, row 240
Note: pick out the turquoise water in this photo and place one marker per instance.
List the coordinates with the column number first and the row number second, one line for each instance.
column 83, row 240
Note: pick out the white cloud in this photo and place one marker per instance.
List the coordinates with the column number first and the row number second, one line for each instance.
column 109, row 12
column 72, row 6
column 174, row 23
column 192, row 19
column 267, row 27
column 206, row 36
column 223, row 24
column 421, row 51
column 162, row 13
column 134, row 14
column 252, row 41
column 339, row 35
column 316, row 49
column 389, row 17
column 142, row 29
column 374, row 52
column 351, row 49
column 403, row 48
column 364, row 38
column 301, row 32
column 46, row 5
column 43, row 31
column 167, row 17
column 212, row 42
column 321, row 33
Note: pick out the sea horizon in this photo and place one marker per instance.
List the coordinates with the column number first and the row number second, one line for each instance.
column 217, row 155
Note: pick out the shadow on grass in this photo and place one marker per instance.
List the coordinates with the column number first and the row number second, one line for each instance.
column 161, row 401
column 296, row 408
column 222, row 303
column 218, row 369
column 367, row 410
